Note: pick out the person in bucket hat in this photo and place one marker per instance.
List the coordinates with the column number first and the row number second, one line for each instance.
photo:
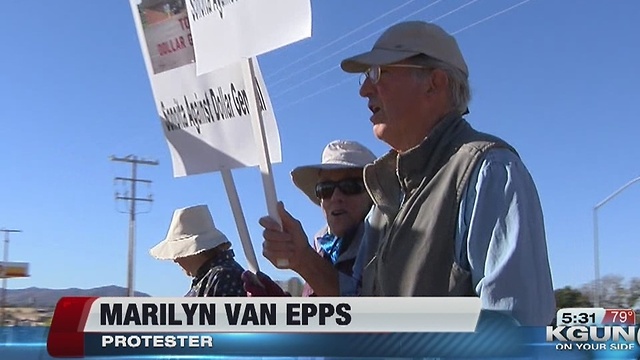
column 336, row 186
column 456, row 210
column 203, row 252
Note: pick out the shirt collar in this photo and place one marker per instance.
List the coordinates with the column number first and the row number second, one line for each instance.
column 216, row 260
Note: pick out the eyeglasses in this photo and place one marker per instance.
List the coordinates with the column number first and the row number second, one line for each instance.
column 351, row 186
column 373, row 73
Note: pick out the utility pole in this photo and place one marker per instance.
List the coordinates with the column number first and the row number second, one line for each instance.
column 134, row 161
column 5, row 258
column 597, row 287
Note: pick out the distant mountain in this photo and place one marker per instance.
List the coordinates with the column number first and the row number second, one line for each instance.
column 45, row 298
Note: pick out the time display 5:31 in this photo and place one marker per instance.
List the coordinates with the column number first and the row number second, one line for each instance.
column 580, row 316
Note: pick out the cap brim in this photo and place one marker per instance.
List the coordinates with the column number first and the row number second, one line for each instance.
column 306, row 177
column 360, row 63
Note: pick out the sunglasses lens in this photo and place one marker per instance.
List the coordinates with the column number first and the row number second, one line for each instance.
column 351, row 186
column 324, row 190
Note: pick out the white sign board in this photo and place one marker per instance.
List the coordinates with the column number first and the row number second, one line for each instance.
column 206, row 119
column 225, row 31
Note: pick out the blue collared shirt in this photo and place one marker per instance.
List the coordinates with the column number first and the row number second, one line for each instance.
column 500, row 239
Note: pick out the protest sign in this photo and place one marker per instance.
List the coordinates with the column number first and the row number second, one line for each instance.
column 206, row 119
column 225, row 31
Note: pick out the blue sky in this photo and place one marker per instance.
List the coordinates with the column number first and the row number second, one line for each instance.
column 558, row 79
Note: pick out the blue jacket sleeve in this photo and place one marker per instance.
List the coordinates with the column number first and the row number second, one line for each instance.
column 501, row 240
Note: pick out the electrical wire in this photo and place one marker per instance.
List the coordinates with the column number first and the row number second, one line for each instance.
column 286, row 67
column 327, row 88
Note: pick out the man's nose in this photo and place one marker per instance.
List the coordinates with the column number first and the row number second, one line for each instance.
column 367, row 88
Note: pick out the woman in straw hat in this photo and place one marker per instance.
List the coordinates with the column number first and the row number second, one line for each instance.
column 336, row 186
column 203, row 252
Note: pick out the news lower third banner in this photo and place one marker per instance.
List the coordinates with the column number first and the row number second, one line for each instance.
column 305, row 327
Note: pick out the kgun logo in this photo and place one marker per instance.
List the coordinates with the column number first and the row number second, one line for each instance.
column 594, row 337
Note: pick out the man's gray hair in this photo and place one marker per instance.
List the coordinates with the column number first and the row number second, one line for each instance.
column 460, row 92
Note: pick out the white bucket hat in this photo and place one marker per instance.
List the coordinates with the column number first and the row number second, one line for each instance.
column 191, row 232
column 338, row 154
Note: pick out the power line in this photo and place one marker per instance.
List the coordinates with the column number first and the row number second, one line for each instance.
column 325, row 89
column 134, row 161
column 286, row 67
column 317, row 93
column 490, row 17
column 4, row 278
column 353, row 43
column 305, row 81
column 453, row 11
column 366, row 37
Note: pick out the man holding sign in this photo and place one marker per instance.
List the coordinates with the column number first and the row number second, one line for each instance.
column 456, row 211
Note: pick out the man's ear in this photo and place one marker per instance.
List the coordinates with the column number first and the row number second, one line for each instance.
column 438, row 81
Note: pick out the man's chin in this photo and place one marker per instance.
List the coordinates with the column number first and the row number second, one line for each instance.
column 379, row 130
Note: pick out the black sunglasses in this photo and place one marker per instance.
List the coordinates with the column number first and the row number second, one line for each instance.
column 351, row 186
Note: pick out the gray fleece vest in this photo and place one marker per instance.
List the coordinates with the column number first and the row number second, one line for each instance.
column 418, row 195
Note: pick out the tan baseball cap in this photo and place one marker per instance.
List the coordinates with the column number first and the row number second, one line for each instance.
column 404, row 40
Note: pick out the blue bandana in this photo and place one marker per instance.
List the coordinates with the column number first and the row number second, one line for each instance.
column 330, row 246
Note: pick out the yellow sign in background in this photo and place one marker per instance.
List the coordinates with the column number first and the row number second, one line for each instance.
column 13, row 270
